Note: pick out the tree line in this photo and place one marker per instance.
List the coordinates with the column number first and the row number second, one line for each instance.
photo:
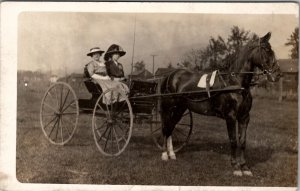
column 220, row 51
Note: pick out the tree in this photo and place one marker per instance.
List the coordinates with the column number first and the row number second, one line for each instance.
column 237, row 38
column 192, row 57
column 220, row 51
column 294, row 42
column 139, row 66
column 186, row 64
column 214, row 52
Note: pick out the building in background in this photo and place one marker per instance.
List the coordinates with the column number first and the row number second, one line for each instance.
column 288, row 84
column 140, row 75
column 161, row 72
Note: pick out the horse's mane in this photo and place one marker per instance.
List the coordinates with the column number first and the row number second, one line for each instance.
column 236, row 61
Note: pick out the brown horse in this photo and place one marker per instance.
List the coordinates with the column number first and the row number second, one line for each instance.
column 233, row 107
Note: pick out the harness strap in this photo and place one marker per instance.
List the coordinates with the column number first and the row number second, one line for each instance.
column 222, row 79
column 208, row 86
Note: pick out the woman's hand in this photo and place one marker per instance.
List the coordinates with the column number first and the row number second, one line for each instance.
column 99, row 77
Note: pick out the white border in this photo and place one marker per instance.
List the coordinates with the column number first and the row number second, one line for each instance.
column 8, row 77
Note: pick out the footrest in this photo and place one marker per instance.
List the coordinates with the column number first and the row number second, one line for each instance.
column 86, row 104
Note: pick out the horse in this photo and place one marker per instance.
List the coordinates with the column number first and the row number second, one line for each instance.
column 233, row 107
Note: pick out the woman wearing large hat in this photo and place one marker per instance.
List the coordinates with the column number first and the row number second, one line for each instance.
column 114, row 68
column 96, row 69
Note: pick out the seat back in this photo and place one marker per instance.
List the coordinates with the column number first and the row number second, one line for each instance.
column 86, row 72
column 93, row 87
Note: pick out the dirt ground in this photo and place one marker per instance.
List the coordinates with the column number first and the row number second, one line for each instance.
column 272, row 150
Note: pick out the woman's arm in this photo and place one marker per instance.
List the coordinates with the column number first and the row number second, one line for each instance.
column 120, row 66
column 90, row 69
column 107, row 64
column 99, row 77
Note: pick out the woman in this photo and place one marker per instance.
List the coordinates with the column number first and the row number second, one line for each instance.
column 115, row 72
column 96, row 69
column 114, row 68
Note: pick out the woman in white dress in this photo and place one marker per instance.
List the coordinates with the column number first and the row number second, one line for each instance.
column 96, row 69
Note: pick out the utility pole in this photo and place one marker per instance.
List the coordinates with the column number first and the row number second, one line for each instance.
column 66, row 74
column 133, row 44
column 153, row 56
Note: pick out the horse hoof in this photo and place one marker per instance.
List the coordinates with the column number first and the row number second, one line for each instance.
column 247, row 173
column 246, row 170
column 172, row 156
column 237, row 173
column 164, row 156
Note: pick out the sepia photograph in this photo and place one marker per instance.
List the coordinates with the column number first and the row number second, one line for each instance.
column 157, row 98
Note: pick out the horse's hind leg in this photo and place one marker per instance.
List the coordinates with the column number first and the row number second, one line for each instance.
column 164, row 155
column 171, row 152
column 243, row 124
column 170, row 117
column 165, row 120
column 176, row 116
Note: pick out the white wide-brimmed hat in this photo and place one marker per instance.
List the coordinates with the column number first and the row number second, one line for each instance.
column 94, row 50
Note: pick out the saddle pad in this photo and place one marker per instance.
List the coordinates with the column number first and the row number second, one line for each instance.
column 203, row 80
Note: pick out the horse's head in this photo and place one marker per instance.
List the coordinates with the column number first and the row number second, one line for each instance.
column 264, row 58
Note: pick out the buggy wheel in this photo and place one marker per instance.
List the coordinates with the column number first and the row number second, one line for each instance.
column 59, row 113
column 112, row 122
column 181, row 133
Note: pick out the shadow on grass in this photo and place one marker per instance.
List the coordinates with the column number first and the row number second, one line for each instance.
column 142, row 142
column 258, row 155
column 253, row 155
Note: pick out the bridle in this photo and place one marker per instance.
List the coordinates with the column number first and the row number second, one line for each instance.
column 265, row 69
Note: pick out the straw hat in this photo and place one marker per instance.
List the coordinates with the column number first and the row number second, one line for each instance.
column 114, row 49
column 94, row 50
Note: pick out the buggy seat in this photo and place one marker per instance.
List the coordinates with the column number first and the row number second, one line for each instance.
column 93, row 87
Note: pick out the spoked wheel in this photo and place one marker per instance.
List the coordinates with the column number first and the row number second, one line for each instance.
column 181, row 133
column 112, row 122
column 59, row 113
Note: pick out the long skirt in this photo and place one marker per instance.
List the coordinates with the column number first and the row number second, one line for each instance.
column 112, row 97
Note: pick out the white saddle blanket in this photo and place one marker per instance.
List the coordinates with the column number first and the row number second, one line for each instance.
column 203, row 80
column 112, row 97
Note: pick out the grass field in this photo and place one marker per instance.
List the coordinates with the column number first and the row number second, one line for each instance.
column 272, row 151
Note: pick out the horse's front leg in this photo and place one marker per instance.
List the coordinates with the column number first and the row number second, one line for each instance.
column 231, row 128
column 243, row 124
column 170, row 148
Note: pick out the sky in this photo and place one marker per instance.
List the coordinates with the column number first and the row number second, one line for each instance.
column 59, row 41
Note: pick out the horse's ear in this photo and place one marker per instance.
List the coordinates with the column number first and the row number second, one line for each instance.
column 266, row 38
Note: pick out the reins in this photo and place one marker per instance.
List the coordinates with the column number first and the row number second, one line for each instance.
column 238, row 73
column 264, row 71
